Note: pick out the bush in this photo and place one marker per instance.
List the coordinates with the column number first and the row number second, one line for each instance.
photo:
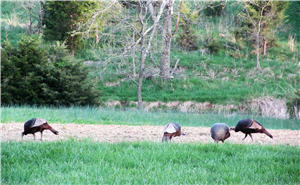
column 36, row 75
column 213, row 43
column 187, row 40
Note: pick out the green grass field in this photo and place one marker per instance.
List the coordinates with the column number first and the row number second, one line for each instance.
column 86, row 162
column 95, row 115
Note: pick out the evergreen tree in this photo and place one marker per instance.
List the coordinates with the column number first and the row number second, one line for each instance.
column 34, row 75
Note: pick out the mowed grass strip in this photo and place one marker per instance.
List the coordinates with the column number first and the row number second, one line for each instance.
column 86, row 162
column 96, row 115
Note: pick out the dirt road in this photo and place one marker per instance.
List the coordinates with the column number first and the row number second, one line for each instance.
column 119, row 133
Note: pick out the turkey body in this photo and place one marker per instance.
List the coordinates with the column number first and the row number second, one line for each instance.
column 171, row 130
column 219, row 132
column 249, row 126
column 37, row 125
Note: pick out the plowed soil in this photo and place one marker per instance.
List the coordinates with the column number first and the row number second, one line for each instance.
column 122, row 133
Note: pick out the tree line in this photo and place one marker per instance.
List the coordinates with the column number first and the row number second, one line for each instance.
column 129, row 27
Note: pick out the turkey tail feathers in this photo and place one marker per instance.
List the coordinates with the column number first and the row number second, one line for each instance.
column 54, row 131
column 267, row 133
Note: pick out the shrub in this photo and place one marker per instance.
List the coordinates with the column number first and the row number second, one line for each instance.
column 37, row 75
column 213, row 43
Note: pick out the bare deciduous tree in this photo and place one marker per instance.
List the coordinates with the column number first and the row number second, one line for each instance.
column 146, row 45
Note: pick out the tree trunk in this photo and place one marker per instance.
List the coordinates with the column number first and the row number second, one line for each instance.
column 178, row 18
column 40, row 18
column 166, row 35
column 141, row 74
column 257, row 52
column 265, row 47
column 97, row 34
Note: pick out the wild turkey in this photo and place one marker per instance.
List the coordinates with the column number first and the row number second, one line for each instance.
column 171, row 130
column 219, row 132
column 37, row 125
column 248, row 126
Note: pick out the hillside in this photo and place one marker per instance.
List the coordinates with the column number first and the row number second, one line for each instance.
column 210, row 78
column 221, row 70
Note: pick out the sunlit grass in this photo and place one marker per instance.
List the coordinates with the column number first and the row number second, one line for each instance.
column 86, row 162
column 95, row 115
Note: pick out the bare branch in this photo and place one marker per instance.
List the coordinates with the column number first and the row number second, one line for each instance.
column 178, row 18
column 174, row 68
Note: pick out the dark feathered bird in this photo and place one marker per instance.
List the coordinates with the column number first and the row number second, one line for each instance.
column 171, row 130
column 249, row 126
column 219, row 132
column 37, row 125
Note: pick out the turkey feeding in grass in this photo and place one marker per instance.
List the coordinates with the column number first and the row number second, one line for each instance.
column 219, row 132
column 171, row 130
column 37, row 125
column 248, row 126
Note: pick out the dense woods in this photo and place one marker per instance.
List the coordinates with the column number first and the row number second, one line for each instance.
column 88, row 52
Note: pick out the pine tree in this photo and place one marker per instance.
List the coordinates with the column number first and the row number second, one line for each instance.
column 34, row 75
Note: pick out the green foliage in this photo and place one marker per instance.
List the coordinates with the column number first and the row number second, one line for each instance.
column 293, row 17
column 187, row 38
column 63, row 18
column 130, row 116
column 217, row 79
column 15, row 20
column 214, row 8
column 20, row 15
column 213, row 43
column 32, row 75
column 260, row 17
column 276, row 18
column 87, row 162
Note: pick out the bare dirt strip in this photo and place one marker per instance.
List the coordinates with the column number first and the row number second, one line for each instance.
column 123, row 133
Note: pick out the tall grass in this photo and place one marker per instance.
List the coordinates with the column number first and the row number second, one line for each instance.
column 95, row 115
column 85, row 162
